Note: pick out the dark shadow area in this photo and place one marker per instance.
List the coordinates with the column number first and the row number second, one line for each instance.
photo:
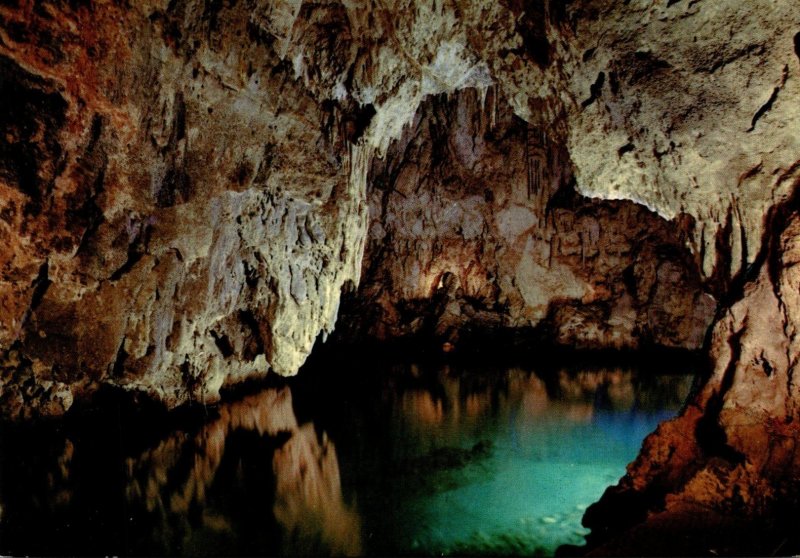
column 369, row 450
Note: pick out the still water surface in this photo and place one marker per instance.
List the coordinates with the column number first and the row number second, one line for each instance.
column 398, row 459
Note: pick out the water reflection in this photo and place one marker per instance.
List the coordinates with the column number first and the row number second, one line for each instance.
column 443, row 405
column 250, row 480
column 308, row 500
column 500, row 461
column 402, row 459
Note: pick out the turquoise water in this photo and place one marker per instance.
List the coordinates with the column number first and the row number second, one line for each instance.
column 376, row 459
column 506, row 465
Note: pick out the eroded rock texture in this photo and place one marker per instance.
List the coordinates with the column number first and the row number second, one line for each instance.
column 691, row 106
column 178, row 210
column 184, row 195
column 184, row 182
column 475, row 227
column 730, row 460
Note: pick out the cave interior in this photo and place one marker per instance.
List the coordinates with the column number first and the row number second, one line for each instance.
column 358, row 277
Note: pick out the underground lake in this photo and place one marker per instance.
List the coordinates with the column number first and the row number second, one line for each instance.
column 388, row 458
column 504, row 221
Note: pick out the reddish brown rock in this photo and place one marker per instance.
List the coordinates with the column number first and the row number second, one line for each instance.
column 730, row 461
column 178, row 210
column 183, row 195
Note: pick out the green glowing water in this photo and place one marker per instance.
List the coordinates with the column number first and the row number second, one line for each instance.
column 377, row 460
column 503, row 465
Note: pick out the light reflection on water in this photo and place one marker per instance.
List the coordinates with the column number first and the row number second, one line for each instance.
column 416, row 459
column 507, row 463
column 307, row 505
column 250, row 480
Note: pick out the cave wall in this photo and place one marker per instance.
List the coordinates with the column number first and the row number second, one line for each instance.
column 690, row 105
column 178, row 209
column 475, row 229
column 729, row 462
column 184, row 182
column 184, row 195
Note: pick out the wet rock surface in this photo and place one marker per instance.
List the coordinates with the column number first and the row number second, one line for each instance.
column 730, row 461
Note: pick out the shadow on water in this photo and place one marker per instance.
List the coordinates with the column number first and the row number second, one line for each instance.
column 250, row 480
column 383, row 458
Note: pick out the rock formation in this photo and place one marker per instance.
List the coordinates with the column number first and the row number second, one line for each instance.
column 474, row 226
column 730, row 461
column 184, row 195
column 178, row 210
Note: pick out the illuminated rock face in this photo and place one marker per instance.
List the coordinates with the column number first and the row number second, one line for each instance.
column 677, row 117
column 178, row 210
column 475, row 228
column 183, row 192
column 184, row 184
column 730, row 460
column 184, row 187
